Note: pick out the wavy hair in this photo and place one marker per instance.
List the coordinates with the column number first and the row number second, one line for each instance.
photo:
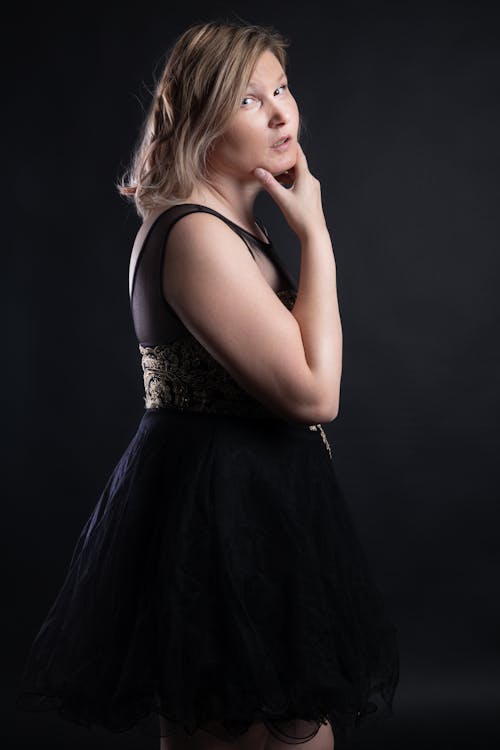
column 200, row 89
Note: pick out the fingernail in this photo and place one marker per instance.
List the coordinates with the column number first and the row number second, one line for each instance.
column 260, row 172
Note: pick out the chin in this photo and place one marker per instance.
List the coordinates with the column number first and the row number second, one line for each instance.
column 287, row 162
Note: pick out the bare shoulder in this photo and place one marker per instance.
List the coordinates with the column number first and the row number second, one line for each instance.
column 204, row 257
column 199, row 233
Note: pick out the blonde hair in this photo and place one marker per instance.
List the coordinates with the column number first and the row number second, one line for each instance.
column 200, row 89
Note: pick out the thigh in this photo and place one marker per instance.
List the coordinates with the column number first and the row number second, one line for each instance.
column 322, row 740
column 254, row 739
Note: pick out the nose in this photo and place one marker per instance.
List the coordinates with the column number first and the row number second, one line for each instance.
column 280, row 113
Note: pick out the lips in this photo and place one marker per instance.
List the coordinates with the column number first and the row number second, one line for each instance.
column 281, row 140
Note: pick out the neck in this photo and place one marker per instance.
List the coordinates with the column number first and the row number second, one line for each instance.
column 234, row 199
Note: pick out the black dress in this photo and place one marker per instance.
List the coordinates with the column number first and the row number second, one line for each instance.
column 219, row 580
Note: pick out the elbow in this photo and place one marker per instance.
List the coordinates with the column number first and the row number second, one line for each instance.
column 317, row 411
column 329, row 399
column 327, row 402
column 327, row 412
column 307, row 401
column 331, row 415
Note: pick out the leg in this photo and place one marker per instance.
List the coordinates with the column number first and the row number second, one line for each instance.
column 254, row 739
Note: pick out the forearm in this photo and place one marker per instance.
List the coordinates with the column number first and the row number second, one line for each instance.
column 317, row 313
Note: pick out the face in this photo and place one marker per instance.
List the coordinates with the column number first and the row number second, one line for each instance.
column 267, row 113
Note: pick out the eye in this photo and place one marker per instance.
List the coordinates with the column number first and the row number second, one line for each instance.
column 283, row 86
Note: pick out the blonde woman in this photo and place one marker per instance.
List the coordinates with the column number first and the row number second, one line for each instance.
column 218, row 595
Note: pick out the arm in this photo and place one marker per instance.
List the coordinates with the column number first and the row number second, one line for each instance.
column 219, row 293
column 316, row 307
column 317, row 313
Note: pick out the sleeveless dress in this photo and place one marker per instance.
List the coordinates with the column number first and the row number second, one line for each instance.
column 219, row 580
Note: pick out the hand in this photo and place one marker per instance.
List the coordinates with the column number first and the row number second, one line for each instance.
column 298, row 194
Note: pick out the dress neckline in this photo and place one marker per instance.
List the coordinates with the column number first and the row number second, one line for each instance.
column 254, row 236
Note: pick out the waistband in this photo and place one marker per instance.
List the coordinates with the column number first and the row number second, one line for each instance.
column 272, row 422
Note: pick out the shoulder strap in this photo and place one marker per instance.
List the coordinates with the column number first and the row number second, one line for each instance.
column 149, row 223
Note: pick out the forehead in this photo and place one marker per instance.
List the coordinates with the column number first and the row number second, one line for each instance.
column 267, row 69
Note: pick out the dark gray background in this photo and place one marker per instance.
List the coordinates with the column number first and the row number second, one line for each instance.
column 401, row 104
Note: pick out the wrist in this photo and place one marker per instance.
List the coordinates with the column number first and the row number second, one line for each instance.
column 318, row 232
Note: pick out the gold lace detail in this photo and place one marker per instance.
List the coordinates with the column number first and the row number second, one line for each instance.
column 184, row 376
column 319, row 428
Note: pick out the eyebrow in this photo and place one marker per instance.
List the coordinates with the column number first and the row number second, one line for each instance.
column 254, row 85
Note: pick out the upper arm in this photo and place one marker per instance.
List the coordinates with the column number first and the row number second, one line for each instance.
column 212, row 282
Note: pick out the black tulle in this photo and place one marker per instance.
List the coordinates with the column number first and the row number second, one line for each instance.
column 218, row 582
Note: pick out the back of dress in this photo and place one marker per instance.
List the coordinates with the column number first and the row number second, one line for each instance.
column 178, row 371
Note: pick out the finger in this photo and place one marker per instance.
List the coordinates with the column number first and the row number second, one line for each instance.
column 273, row 187
column 301, row 158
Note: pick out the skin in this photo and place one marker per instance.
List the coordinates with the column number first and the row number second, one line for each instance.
column 267, row 112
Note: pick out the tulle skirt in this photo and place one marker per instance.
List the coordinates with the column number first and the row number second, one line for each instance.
column 218, row 582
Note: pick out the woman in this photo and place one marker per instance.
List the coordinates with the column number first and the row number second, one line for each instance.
column 219, row 585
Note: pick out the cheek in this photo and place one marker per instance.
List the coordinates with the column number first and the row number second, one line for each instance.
column 245, row 141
